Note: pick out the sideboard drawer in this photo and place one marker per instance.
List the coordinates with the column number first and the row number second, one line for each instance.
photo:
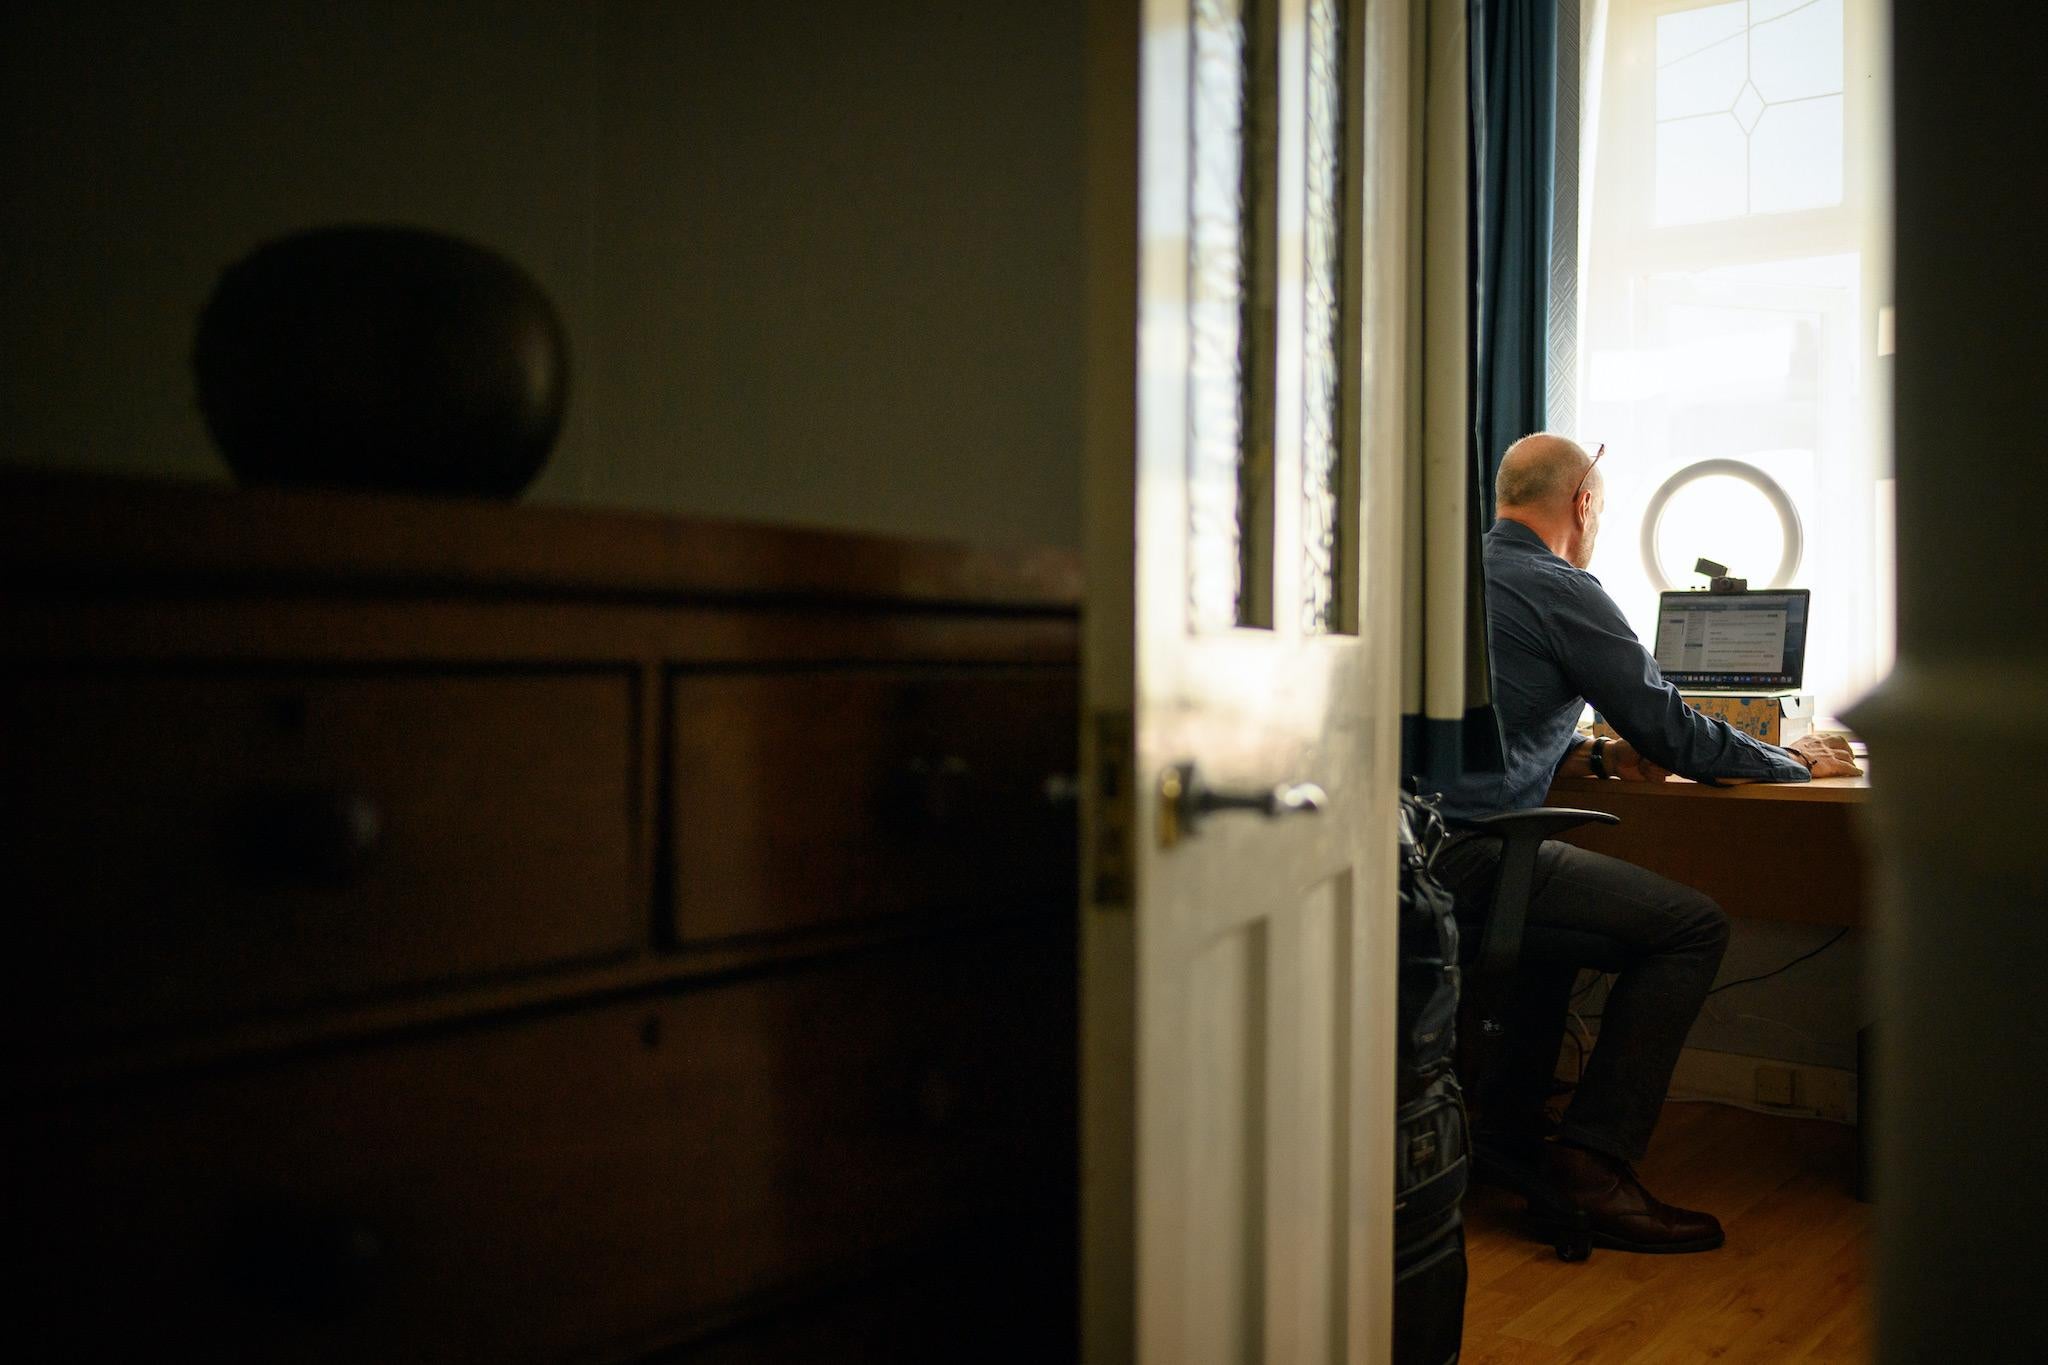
column 188, row 846
column 802, row 798
column 556, row 1187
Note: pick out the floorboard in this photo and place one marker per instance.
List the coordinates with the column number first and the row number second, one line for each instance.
column 1789, row 1286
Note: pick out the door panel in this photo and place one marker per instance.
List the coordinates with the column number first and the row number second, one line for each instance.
column 1224, row 1137
column 1309, row 1068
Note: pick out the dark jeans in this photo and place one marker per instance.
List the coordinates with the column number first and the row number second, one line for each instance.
column 1663, row 940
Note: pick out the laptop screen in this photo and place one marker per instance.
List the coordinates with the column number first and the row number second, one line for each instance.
column 1732, row 641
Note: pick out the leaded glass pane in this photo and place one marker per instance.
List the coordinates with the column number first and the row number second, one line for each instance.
column 1322, row 345
column 1704, row 80
column 1749, row 107
column 1799, row 55
column 1795, row 156
column 1216, row 290
column 1689, row 32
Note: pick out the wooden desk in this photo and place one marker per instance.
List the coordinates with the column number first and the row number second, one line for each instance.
column 1783, row 851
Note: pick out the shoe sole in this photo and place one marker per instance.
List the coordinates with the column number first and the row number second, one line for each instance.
column 1564, row 1234
column 1601, row 1239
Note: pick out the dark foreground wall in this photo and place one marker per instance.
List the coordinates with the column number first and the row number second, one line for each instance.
column 1960, row 732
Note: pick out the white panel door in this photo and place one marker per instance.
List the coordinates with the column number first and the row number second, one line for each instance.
column 1248, row 317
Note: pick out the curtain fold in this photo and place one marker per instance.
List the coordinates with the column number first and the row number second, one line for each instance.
column 1489, row 156
column 1448, row 726
column 1513, row 98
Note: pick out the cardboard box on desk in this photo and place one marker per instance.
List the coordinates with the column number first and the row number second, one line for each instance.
column 1773, row 717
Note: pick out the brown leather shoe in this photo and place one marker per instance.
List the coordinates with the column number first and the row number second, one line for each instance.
column 1620, row 1213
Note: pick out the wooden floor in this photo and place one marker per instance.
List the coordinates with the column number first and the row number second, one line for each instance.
column 1789, row 1285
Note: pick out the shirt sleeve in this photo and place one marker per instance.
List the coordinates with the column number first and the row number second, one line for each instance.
column 1605, row 661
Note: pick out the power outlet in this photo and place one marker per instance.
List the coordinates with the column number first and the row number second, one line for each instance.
column 1777, row 1085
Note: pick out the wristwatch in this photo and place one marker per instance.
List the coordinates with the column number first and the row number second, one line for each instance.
column 1597, row 760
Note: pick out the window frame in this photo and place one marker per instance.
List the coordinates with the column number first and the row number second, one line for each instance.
column 1627, row 245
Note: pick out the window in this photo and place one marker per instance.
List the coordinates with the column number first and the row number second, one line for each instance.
column 1734, row 263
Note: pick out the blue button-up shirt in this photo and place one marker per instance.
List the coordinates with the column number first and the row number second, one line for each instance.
column 1557, row 642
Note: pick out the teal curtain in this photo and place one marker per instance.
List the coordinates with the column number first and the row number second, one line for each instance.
column 1513, row 95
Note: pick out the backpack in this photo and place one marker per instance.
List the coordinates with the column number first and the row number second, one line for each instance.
column 1432, row 1141
column 1427, row 998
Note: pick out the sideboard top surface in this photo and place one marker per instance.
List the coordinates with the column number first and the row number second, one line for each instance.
column 85, row 532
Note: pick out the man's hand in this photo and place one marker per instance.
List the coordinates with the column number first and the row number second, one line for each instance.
column 1628, row 765
column 1826, row 755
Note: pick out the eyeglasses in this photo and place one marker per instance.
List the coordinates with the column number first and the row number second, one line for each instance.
column 1581, row 485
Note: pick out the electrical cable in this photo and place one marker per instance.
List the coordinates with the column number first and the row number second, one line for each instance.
column 1837, row 937
column 1577, row 1033
column 1593, row 979
column 1776, row 1023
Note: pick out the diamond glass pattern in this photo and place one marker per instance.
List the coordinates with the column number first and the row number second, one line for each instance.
column 1749, row 109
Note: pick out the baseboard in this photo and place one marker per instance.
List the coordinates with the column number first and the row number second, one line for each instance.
column 1775, row 1087
column 1764, row 1084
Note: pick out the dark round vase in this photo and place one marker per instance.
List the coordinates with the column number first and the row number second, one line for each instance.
column 385, row 358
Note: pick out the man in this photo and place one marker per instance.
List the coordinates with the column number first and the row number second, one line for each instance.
column 1558, row 641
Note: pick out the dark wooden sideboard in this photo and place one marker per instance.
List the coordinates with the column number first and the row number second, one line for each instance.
column 444, row 931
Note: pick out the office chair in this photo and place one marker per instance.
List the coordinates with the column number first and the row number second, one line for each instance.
column 1489, row 967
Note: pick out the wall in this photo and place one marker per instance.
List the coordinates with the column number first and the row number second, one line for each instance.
column 820, row 263
column 1807, row 1012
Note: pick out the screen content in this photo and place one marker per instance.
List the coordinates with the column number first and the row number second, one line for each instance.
column 1754, row 639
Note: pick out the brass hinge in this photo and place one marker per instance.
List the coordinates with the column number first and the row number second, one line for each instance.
column 1109, row 826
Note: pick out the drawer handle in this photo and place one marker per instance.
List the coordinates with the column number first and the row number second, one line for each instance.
column 306, row 836
column 927, row 794
column 316, row 1266
column 938, row 1099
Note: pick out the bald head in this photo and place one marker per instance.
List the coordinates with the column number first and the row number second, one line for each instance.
column 1539, row 473
column 1538, row 486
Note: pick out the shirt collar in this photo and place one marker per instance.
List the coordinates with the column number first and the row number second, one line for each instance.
column 1509, row 530
column 1514, row 535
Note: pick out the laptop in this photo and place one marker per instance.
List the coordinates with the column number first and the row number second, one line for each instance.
column 1733, row 641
